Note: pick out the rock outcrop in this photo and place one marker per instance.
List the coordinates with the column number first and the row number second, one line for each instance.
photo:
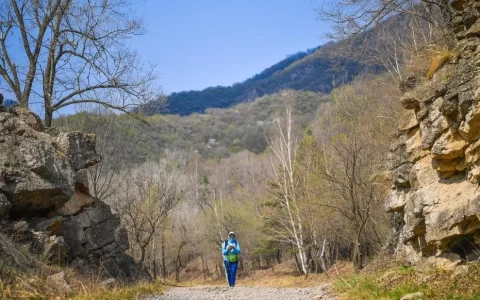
column 435, row 160
column 43, row 183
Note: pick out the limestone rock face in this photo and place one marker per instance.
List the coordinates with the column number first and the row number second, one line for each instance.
column 43, row 182
column 11, row 256
column 435, row 162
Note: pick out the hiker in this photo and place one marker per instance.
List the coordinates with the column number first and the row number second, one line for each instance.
column 231, row 250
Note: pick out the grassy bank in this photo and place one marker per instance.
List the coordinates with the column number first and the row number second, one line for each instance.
column 33, row 285
column 396, row 282
column 123, row 293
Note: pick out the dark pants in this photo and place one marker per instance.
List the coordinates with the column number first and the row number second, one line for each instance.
column 231, row 271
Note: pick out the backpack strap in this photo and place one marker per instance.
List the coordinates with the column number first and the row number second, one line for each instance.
column 225, row 244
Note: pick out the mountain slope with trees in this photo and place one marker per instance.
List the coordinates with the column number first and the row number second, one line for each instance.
column 218, row 133
column 318, row 70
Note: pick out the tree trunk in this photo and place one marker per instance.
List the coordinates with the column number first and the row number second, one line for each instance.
column 164, row 267
column 154, row 268
column 22, row 102
column 154, row 264
column 177, row 274
column 142, row 254
column 357, row 256
column 297, row 264
column 303, row 258
column 48, row 117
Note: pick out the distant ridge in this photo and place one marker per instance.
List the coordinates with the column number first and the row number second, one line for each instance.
column 317, row 70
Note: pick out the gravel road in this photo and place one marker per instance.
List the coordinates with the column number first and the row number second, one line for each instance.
column 245, row 293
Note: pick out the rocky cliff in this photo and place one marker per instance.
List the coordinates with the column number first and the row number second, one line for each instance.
column 45, row 202
column 435, row 161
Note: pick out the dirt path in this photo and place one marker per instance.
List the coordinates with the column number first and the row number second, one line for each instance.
column 245, row 293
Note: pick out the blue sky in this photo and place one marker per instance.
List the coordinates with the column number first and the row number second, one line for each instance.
column 200, row 43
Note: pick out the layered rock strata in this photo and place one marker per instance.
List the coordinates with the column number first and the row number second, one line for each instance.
column 435, row 161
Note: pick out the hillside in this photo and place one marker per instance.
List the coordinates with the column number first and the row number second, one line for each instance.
column 317, row 70
column 217, row 133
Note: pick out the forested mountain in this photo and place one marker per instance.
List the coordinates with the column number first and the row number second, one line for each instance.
column 218, row 133
column 318, row 70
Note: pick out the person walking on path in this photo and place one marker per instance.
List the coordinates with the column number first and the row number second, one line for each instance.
column 231, row 251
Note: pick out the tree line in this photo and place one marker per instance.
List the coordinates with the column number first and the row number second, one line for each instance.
column 313, row 197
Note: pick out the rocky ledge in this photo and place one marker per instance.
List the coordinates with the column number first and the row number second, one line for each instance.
column 45, row 202
column 435, row 161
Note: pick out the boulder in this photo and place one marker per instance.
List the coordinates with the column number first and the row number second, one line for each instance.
column 58, row 283
column 28, row 117
column 44, row 184
column 41, row 172
column 79, row 149
column 460, row 270
column 96, row 236
column 78, row 201
column 396, row 201
column 470, row 127
column 109, row 283
column 401, row 175
column 124, row 266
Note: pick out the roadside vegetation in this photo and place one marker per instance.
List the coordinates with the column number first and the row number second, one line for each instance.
column 395, row 282
column 34, row 285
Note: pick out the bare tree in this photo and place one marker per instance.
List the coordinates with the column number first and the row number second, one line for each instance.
column 284, row 146
column 182, row 241
column 351, row 17
column 145, row 199
column 66, row 52
column 395, row 34
column 354, row 137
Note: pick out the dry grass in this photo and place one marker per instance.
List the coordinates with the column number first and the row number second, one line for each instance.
column 33, row 285
column 393, row 283
column 122, row 293
column 284, row 275
column 438, row 59
column 428, row 60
